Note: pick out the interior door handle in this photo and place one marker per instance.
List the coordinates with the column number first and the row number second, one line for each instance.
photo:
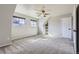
column 72, row 30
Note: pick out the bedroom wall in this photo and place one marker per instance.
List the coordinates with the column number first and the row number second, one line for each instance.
column 24, row 30
column 6, row 12
column 41, row 24
column 54, row 27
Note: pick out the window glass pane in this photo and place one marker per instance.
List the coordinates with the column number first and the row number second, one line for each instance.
column 18, row 21
column 33, row 23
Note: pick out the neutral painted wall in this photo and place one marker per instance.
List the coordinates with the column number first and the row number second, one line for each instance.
column 41, row 24
column 24, row 30
column 54, row 27
column 6, row 12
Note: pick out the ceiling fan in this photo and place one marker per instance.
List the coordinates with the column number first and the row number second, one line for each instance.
column 43, row 11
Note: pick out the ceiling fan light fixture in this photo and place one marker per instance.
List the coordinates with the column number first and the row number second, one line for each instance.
column 43, row 11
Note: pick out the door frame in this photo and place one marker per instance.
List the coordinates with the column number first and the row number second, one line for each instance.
column 77, row 27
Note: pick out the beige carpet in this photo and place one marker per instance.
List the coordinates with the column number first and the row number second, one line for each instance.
column 39, row 45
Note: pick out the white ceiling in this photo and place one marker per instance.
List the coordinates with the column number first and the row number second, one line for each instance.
column 54, row 9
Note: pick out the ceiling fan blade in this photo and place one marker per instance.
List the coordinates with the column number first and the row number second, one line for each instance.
column 39, row 15
column 38, row 10
column 47, row 13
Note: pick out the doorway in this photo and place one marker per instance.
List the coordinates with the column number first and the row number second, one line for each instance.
column 77, row 27
column 46, row 28
column 67, row 25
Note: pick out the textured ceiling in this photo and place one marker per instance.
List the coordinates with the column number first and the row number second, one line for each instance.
column 53, row 9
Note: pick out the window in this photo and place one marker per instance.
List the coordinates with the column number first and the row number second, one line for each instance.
column 18, row 20
column 33, row 23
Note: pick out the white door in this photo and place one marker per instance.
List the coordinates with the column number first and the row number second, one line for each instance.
column 66, row 27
